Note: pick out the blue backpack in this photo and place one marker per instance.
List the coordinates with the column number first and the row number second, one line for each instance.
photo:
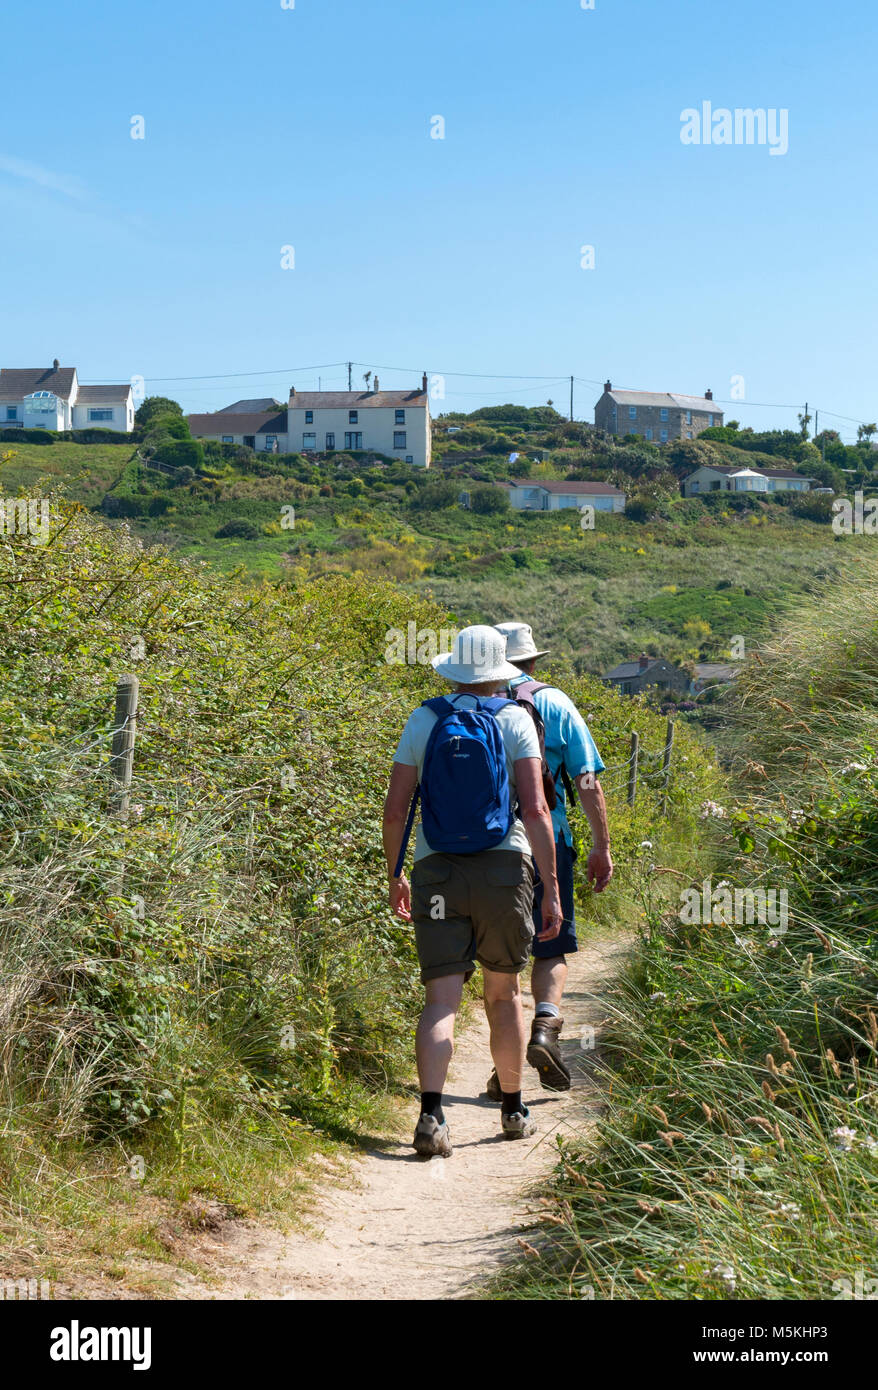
column 464, row 786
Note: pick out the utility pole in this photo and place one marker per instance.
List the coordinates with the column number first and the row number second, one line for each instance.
column 350, row 365
column 571, row 400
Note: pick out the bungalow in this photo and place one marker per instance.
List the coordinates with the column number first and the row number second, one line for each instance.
column 51, row 398
column 730, row 478
column 632, row 677
column 394, row 423
column 551, row 496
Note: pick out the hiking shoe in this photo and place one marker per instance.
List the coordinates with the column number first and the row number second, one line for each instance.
column 431, row 1138
column 518, row 1126
column 544, row 1053
column 493, row 1090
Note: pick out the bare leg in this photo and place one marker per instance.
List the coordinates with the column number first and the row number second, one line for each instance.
column 548, row 978
column 503, row 1007
column 434, row 1040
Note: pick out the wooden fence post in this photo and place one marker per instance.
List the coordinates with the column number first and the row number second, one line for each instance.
column 666, row 764
column 632, row 769
column 124, row 729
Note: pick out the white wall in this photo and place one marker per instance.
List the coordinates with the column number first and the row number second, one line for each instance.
column 123, row 416
column 375, row 423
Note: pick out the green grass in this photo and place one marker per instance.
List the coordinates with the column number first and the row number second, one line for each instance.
column 738, row 1156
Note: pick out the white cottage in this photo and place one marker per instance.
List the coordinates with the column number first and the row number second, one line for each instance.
column 51, row 398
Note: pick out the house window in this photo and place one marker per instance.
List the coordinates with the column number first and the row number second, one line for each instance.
column 632, row 412
column 647, row 434
column 249, row 441
column 100, row 415
column 353, row 438
column 309, row 417
column 400, row 417
column 309, row 440
column 330, row 440
column 228, row 439
column 709, row 421
column 353, row 418
column 664, row 412
column 688, row 417
column 12, row 412
column 410, row 458
column 399, row 439
column 688, row 434
column 270, row 443
column 663, row 435
column 693, row 486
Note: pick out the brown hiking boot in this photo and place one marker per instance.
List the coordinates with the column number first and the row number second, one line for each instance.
column 493, row 1090
column 544, row 1053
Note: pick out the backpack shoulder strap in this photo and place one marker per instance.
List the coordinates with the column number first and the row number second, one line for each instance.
column 440, row 705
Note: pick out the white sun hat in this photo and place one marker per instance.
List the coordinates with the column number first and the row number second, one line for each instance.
column 477, row 657
column 519, row 642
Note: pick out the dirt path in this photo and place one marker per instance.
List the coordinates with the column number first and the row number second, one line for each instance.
column 399, row 1227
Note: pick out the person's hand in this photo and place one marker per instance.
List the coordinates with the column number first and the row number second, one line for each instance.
column 401, row 897
column 599, row 869
column 552, row 915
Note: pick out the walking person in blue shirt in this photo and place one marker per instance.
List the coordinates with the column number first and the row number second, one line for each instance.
column 569, row 747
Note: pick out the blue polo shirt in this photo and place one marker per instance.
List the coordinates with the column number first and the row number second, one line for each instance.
column 568, row 741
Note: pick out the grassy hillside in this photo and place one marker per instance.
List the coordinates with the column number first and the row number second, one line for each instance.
column 193, row 1000
column 739, row 1154
column 679, row 583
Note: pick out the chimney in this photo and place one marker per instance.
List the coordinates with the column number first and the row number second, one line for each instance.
column 708, row 395
column 292, row 392
column 643, row 661
column 608, row 385
column 374, row 383
column 424, row 383
column 56, row 364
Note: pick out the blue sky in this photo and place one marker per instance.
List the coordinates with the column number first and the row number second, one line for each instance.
column 267, row 127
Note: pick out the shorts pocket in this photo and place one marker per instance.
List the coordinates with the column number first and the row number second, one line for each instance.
column 506, row 875
column 426, row 871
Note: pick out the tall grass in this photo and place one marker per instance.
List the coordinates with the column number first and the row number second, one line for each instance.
column 738, row 1156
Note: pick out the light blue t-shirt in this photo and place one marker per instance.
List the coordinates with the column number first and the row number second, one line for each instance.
column 568, row 741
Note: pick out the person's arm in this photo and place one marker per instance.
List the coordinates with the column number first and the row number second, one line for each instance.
column 599, row 869
column 538, row 824
column 403, row 780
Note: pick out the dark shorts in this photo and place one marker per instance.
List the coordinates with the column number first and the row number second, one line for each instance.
column 472, row 907
column 565, row 943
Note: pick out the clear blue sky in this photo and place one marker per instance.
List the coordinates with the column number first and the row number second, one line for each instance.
column 310, row 127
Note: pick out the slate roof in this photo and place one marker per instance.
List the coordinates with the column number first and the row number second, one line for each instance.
column 579, row 487
column 667, row 399
column 763, row 472
column 356, row 400
column 264, row 403
column 97, row 395
column 16, row 382
column 626, row 669
column 221, row 422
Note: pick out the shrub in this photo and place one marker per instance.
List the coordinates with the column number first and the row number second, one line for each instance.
column 28, row 436
column 489, row 501
column 237, row 529
column 181, row 453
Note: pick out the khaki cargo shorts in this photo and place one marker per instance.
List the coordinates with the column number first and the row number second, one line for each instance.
column 473, row 907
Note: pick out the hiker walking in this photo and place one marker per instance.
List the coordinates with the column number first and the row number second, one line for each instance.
column 570, row 757
column 471, row 759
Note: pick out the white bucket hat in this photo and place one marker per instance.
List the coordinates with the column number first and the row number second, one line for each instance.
column 478, row 656
column 519, row 642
